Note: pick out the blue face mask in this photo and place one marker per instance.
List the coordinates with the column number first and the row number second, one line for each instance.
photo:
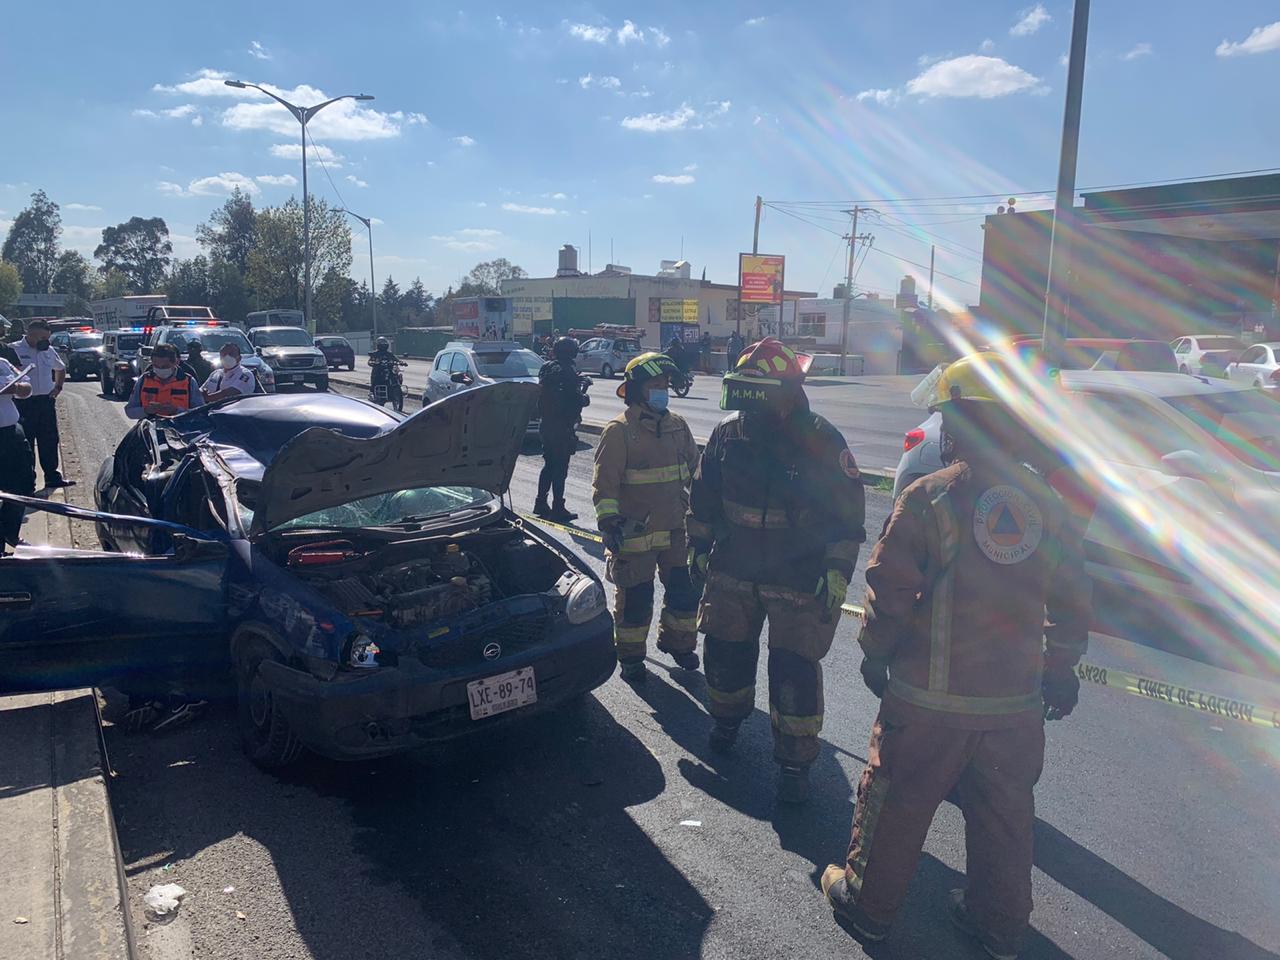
column 659, row 400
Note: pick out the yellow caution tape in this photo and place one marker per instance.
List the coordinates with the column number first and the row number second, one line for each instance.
column 573, row 531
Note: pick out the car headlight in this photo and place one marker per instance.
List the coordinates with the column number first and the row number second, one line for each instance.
column 364, row 653
column 319, row 362
column 586, row 601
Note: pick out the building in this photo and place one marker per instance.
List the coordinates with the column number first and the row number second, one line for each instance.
column 1149, row 262
column 874, row 331
column 670, row 303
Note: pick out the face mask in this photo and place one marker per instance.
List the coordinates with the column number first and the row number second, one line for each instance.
column 42, row 344
column 659, row 400
column 229, row 362
column 164, row 373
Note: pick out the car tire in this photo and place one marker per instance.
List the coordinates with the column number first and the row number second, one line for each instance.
column 606, row 371
column 265, row 733
column 118, row 388
column 351, row 366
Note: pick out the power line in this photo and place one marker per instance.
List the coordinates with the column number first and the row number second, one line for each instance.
column 320, row 157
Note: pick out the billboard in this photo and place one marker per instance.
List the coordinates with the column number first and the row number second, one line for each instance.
column 526, row 311
column 678, row 311
column 760, row 278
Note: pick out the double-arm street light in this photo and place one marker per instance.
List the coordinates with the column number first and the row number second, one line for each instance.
column 373, row 288
column 303, row 115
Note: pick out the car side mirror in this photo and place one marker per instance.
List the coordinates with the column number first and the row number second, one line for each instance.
column 1192, row 465
column 460, row 377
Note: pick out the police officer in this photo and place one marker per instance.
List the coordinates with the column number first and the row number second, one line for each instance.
column 38, row 413
column 165, row 389
column 978, row 610
column 561, row 403
column 6, row 349
column 198, row 365
column 17, row 468
column 644, row 461
column 232, row 380
column 776, row 522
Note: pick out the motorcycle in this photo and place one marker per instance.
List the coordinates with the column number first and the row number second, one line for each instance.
column 681, row 384
column 392, row 385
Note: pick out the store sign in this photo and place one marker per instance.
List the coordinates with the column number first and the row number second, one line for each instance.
column 526, row 311
column 679, row 311
column 760, row 278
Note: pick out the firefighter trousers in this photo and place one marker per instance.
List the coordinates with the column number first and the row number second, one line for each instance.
column 632, row 573
column 911, row 768
column 801, row 629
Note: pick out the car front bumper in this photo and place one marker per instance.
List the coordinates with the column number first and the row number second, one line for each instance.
column 312, row 377
column 362, row 714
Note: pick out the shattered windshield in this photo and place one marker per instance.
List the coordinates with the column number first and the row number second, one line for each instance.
column 379, row 510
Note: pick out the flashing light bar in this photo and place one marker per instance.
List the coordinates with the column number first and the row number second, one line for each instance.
column 199, row 323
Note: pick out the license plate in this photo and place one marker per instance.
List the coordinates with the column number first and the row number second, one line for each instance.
column 293, row 377
column 498, row 694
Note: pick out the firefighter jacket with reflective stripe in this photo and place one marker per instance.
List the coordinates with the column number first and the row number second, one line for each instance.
column 976, row 585
column 643, row 466
column 781, row 501
column 155, row 392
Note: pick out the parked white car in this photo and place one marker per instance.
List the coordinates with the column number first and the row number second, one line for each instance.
column 1190, row 351
column 1258, row 366
column 607, row 356
column 1185, row 531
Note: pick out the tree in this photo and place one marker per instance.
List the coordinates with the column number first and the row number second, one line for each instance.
column 390, row 313
column 10, row 285
column 112, row 283
column 417, row 304
column 485, row 278
column 73, row 277
column 140, row 249
column 32, row 243
column 228, row 235
column 275, row 259
column 189, row 282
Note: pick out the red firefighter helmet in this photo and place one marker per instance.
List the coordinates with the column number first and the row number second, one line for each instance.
column 766, row 370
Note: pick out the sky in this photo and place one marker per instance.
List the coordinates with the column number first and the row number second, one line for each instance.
column 645, row 130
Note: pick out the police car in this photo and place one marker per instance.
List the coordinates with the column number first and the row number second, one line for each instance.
column 119, row 363
column 212, row 334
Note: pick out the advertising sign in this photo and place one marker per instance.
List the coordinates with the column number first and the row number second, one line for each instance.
column 526, row 311
column 466, row 318
column 679, row 311
column 760, row 278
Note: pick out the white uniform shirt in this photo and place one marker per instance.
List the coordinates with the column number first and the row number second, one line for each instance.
column 8, row 409
column 46, row 362
column 237, row 378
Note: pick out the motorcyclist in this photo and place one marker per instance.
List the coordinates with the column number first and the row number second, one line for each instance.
column 776, row 522
column 561, row 403
column 384, row 366
column 644, row 461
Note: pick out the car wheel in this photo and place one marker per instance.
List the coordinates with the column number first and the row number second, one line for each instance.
column 118, row 388
column 351, row 366
column 268, row 738
column 606, row 371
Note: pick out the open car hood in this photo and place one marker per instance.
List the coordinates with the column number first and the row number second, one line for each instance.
column 469, row 439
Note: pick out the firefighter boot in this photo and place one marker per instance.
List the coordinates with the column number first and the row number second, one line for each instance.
column 847, row 913
column 793, row 784
column 635, row 672
column 687, row 660
column 723, row 735
column 995, row 947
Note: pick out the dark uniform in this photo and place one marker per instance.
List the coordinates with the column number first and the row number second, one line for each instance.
column 561, row 406
column 783, row 503
column 17, row 466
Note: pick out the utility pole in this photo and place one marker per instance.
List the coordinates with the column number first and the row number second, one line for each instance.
column 932, row 249
column 755, row 235
column 1064, row 219
column 848, row 290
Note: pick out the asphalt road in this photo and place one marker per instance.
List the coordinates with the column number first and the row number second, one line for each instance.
column 873, row 413
column 611, row 831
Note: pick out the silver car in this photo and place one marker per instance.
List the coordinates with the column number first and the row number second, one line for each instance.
column 466, row 364
column 1185, row 474
column 607, row 356
column 1258, row 366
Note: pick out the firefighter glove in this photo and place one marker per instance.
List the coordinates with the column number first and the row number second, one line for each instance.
column 875, row 674
column 831, row 589
column 1060, row 689
column 611, row 533
column 699, row 558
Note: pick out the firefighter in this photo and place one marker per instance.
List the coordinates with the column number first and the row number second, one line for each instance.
column 560, row 408
column 978, row 609
column 776, row 522
column 165, row 389
column 643, row 465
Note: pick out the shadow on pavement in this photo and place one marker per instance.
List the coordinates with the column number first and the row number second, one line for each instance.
column 515, row 844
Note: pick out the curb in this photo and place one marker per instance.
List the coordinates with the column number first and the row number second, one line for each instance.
column 595, row 428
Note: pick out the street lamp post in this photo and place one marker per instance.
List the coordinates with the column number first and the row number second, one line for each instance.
column 302, row 115
column 373, row 288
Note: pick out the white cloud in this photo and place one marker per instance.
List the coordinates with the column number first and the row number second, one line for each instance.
column 80, row 206
column 1030, row 21
column 197, row 121
column 83, row 239
column 464, row 141
column 173, row 113
column 677, row 119
column 467, row 246
column 221, row 184
column 678, row 180
column 987, row 45
column 1063, row 60
column 415, row 118
column 352, row 178
column 1261, row 40
column 689, row 168
column 481, row 203
column 1140, row 50
column 207, row 83
column 885, row 96
column 607, row 82
column 659, row 37
column 754, row 21
column 281, row 180
column 757, row 120
column 167, row 186
column 629, row 33
column 523, row 208
column 481, row 231
column 589, row 33
column 556, row 196
column 972, row 76
column 258, row 51
column 720, row 107
column 293, row 151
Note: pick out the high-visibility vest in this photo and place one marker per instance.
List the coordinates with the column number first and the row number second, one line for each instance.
column 156, row 392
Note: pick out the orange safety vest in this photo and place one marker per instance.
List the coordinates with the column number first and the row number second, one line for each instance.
column 155, row 392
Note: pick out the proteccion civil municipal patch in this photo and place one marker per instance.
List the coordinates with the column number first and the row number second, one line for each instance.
column 1007, row 525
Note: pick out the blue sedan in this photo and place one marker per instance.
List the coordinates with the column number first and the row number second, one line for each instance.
column 354, row 571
